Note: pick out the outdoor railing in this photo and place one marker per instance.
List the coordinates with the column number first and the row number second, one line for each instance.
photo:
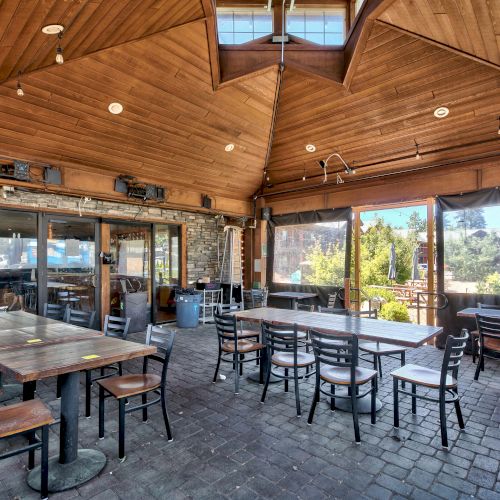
column 432, row 302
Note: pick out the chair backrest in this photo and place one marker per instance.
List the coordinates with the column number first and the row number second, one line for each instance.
column 259, row 297
column 226, row 328
column 304, row 307
column 454, row 351
column 80, row 318
column 489, row 328
column 344, row 352
column 333, row 310
column 163, row 340
column 480, row 305
column 114, row 326
column 280, row 338
column 54, row 311
column 332, row 298
column 227, row 308
column 369, row 313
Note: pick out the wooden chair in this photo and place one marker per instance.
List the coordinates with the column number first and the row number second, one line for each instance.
column 333, row 310
column 489, row 340
column 80, row 318
column 337, row 364
column 232, row 348
column 54, row 311
column 117, row 327
column 474, row 334
column 444, row 383
column 282, row 351
column 28, row 417
column 332, row 299
column 127, row 386
column 225, row 309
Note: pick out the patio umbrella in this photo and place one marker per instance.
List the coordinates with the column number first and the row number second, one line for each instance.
column 392, row 263
column 415, row 273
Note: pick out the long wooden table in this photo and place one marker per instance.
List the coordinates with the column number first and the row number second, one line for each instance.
column 62, row 352
column 377, row 330
column 470, row 312
column 293, row 297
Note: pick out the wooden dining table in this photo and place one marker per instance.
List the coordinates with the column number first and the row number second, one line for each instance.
column 470, row 312
column 293, row 297
column 63, row 351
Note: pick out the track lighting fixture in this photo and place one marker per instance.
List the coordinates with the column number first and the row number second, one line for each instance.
column 59, row 50
column 418, row 156
column 20, row 91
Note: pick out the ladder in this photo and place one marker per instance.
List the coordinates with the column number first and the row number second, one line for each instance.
column 231, row 269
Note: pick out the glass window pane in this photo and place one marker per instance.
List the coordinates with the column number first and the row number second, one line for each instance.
column 316, row 38
column 242, row 37
column 299, row 34
column 243, row 23
column 334, row 38
column 295, row 23
column 263, row 23
column 334, row 23
column 225, row 23
column 226, row 38
column 315, row 22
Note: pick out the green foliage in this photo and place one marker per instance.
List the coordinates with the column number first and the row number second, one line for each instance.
column 416, row 223
column 472, row 218
column 395, row 311
column 327, row 266
column 490, row 285
column 380, row 293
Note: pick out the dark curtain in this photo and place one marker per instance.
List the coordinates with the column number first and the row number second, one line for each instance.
column 447, row 318
column 327, row 215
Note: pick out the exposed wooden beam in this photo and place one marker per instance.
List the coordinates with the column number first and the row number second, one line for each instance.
column 472, row 57
column 213, row 40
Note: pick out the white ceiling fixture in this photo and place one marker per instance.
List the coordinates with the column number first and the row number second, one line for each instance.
column 229, row 147
column 310, row 148
column 115, row 108
column 441, row 112
column 53, row 29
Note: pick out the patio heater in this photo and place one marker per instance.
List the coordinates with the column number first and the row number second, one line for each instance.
column 231, row 269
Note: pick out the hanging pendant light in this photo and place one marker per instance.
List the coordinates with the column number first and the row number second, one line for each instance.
column 20, row 91
column 59, row 50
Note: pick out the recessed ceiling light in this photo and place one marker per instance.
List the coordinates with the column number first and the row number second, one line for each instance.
column 115, row 108
column 53, row 29
column 441, row 112
column 310, row 148
column 229, row 147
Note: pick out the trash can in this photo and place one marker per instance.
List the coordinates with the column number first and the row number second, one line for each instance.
column 187, row 308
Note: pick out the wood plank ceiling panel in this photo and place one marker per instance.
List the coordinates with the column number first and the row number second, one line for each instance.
column 471, row 26
column 398, row 84
column 174, row 126
column 90, row 25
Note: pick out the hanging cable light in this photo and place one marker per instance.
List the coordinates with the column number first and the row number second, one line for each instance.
column 304, row 176
column 20, row 91
column 59, row 50
column 418, row 156
column 498, row 132
column 324, row 164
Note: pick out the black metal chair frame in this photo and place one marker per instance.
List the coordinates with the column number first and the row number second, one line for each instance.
column 342, row 354
column 453, row 354
column 34, row 443
column 54, row 311
column 117, row 327
column 475, row 340
column 86, row 323
column 283, row 338
column 333, row 310
column 489, row 328
column 155, row 336
column 227, row 328
column 304, row 307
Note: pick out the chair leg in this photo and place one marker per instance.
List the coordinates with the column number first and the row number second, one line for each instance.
column 442, row 419
column 165, row 416
column 286, row 380
column 403, row 362
column 332, row 399
column 460, row 418
column 242, row 357
column 355, row 419
column 395, row 393
column 120, row 368
column 313, row 404
column 31, row 453
column 268, row 376
column 44, row 464
column 217, row 367
column 374, row 401
column 297, row 395
column 380, row 366
column 144, row 410
column 88, row 392
column 121, row 429
column 101, row 412
column 58, row 388
column 236, row 374
column 414, row 399
column 478, row 368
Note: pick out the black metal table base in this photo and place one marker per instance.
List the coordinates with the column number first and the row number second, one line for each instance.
column 364, row 404
column 66, row 476
column 10, row 391
column 255, row 377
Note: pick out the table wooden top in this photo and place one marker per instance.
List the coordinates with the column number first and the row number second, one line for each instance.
column 405, row 334
column 49, row 360
column 21, row 319
column 293, row 295
column 470, row 312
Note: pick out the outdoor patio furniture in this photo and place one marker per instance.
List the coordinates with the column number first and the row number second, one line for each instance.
column 446, row 384
column 304, row 307
column 293, row 297
column 28, row 417
column 333, row 310
column 232, row 348
column 474, row 334
column 379, row 349
column 127, row 386
column 488, row 340
column 117, row 327
column 282, row 351
column 79, row 318
column 337, row 364
column 54, row 311
column 225, row 309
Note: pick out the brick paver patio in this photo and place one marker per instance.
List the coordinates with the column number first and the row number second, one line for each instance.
column 228, row 446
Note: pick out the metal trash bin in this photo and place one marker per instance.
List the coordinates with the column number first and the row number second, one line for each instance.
column 187, row 308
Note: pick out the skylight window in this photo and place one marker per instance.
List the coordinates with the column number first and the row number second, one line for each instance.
column 243, row 25
column 321, row 26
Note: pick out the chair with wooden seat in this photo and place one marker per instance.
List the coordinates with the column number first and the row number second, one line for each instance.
column 27, row 418
column 117, row 327
column 123, row 387
column 333, row 310
column 282, row 352
column 489, row 340
column 225, row 309
column 337, row 365
column 54, row 311
column 446, row 384
column 474, row 334
column 233, row 348
column 80, row 318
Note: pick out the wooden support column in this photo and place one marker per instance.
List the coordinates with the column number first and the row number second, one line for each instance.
column 184, row 256
column 277, row 17
column 260, row 247
column 431, row 313
column 105, row 273
column 357, row 257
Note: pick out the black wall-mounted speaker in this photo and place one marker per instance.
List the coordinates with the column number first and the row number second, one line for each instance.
column 52, row 176
column 266, row 213
column 206, row 201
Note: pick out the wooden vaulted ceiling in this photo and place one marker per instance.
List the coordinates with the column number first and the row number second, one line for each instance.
column 157, row 58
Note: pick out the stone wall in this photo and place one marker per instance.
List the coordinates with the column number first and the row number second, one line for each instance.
column 202, row 231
